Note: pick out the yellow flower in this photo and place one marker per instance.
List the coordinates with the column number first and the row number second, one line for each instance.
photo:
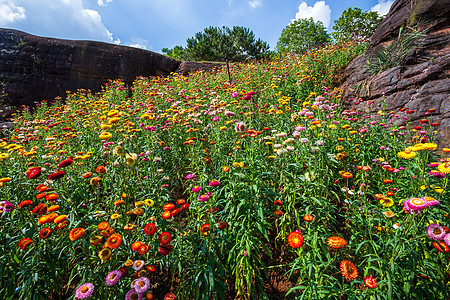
column 149, row 202
column 430, row 146
column 419, row 147
column 444, row 167
column 138, row 203
column 114, row 216
column 407, row 154
column 386, row 202
column 236, row 165
column 105, row 136
column 131, row 159
column 119, row 151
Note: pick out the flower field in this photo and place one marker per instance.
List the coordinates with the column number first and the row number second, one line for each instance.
column 201, row 188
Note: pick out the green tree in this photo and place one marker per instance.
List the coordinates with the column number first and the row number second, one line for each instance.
column 222, row 44
column 354, row 23
column 301, row 35
column 177, row 52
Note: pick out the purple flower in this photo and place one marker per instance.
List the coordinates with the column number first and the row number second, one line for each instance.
column 141, row 284
column 435, row 231
column 113, row 277
column 133, row 295
column 84, row 291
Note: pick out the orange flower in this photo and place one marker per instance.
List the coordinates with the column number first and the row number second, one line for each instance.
column 53, row 208
column 119, row 202
column 136, row 245
column 348, row 270
column 103, row 226
column 100, row 169
column 347, row 175
column 107, row 232
column 41, row 196
column 336, row 242
column 60, row 219
column 43, row 220
column 295, row 239
column 225, row 168
column 129, row 226
column 308, row 218
column 76, row 233
column 87, row 175
column 143, row 249
column 387, row 181
column 95, row 180
column 96, row 240
column 52, row 197
column 114, row 241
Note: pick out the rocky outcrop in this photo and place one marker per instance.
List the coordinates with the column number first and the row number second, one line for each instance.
column 35, row 68
column 422, row 80
column 191, row 66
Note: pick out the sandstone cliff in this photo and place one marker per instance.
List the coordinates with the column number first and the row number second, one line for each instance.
column 35, row 68
column 422, row 80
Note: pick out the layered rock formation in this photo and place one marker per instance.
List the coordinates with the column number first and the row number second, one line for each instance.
column 36, row 68
column 421, row 81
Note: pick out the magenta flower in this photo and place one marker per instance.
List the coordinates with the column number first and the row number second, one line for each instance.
column 196, row 189
column 234, row 94
column 204, row 197
column 214, row 183
column 190, row 176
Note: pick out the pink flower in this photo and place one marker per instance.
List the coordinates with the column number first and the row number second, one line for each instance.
column 214, row 183
column 234, row 94
column 204, row 197
column 196, row 189
column 190, row 176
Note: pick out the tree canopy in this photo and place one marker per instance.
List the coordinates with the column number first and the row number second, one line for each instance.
column 301, row 35
column 355, row 23
column 221, row 44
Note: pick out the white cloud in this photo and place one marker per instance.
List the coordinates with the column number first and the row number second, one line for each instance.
column 103, row 2
column 139, row 43
column 382, row 7
column 10, row 12
column 319, row 12
column 255, row 3
column 67, row 19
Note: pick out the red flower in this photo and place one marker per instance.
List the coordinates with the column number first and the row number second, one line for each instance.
column 370, row 282
column 308, row 218
column 56, row 175
column 34, row 172
column 163, row 251
column 164, row 238
column 387, row 181
column 25, row 203
column 150, row 229
column 205, row 228
column 65, row 163
column 45, row 233
column 222, row 225
column 441, row 246
column 295, row 239
column 24, row 243
column 168, row 207
column 41, row 209
column 170, row 296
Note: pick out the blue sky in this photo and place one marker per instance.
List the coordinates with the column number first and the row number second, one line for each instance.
column 157, row 24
